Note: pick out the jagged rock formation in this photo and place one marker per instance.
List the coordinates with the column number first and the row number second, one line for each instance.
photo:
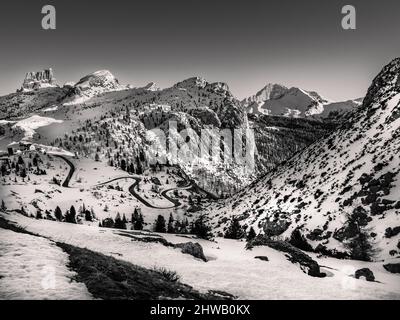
column 39, row 79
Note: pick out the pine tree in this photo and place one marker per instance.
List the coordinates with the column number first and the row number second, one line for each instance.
column 3, row 206
column 135, row 216
column 88, row 215
column 70, row 216
column 39, row 214
column 160, row 224
column 171, row 227
column 58, row 214
column 360, row 246
column 124, row 219
column 235, row 230
column 201, row 229
column 251, row 234
column 139, row 223
column 119, row 224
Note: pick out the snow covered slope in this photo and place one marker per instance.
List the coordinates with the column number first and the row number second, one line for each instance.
column 230, row 267
column 353, row 172
column 34, row 268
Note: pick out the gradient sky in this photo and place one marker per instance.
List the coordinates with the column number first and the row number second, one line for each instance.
column 244, row 43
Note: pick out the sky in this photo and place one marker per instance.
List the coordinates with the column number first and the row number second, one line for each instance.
column 246, row 44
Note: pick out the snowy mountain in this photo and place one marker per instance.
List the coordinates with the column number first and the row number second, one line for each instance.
column 338, row 188
column 278, row 100
column 270, row 91
column 192, row 102
column 94, row 84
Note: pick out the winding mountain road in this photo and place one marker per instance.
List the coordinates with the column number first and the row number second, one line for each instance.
column 164, row 194
column 71, row 170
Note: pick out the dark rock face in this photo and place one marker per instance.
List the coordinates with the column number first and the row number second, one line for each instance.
column 299, row 241
column 348, row 231
column 206, row 116
column 34, row 80
column 391, row 232
column 365, row 272
column 392, row 267
column 263, row 258
column 295, row 255
column 194, row 249
column 276, row 227
column 384, row 82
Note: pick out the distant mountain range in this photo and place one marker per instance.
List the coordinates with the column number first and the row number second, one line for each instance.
column 192, row 102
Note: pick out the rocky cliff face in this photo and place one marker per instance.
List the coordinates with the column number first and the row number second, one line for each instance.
column 39, row 79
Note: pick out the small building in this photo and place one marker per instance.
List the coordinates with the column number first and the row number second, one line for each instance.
column 24, row 146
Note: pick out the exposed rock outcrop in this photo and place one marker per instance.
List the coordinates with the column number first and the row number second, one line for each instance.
column 38, row 79
column 365, row 272
column 194, row 249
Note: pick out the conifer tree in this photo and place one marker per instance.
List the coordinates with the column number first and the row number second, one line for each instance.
column 235, row 230
column 251, row 234
column 201, row 229
column 70, row 216
column 58, row 214
column 171, row 227
column 3, row 206
column 160, row 224
column 139, row 223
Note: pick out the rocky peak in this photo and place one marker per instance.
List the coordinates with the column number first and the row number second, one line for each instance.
column 152, row 86
column 270, row 91
column 38, row 79
column 385, row 85
column 101, row 79
column 219, row 87
column 193, row 82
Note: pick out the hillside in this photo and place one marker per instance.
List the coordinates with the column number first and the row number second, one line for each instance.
column 339, row 187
